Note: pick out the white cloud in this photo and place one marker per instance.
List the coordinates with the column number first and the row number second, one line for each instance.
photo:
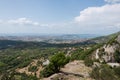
column 104, row 19
column 28, row 22
column 112, row 1
column 23, row 21
column 100, row 17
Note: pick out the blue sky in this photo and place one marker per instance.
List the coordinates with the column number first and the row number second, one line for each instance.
column 59, row 16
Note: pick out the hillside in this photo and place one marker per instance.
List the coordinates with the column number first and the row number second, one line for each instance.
column 105, row 58
column 21, row 60
column 104, row 39
column 109, row 51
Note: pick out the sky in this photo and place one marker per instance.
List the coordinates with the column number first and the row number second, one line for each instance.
column 59, row 16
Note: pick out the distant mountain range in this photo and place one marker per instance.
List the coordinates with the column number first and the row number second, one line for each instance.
column 63, row 38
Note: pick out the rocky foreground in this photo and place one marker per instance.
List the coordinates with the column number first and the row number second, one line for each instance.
column 75, row 70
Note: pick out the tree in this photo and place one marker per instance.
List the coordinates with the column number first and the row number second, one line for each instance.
column 56, row 62
column 117, row 56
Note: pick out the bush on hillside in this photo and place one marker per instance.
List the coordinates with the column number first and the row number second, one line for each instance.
column 117, row 56
column 56, row 62
column 88, row 61
column 104, row 72
column 33, row 68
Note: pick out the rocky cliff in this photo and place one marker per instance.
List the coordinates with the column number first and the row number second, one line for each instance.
column 109, row 52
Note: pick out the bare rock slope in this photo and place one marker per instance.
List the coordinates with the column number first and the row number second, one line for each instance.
column 75, row 70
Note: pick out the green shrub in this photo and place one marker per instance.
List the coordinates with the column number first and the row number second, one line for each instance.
column 17, row 76
column 88, row 61
column 24, row 64
column 103, row 72
column 33, row 68
column 56, row 62
column 117, row 56
column 2, row 64
column 47, row 71
column 117, row 71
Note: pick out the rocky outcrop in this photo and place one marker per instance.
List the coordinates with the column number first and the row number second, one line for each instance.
column 106, row 53
column 75, row 70
column 118, row 39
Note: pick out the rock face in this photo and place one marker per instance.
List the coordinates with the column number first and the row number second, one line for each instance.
column 75, row 70
column 77, row 67
column 106, row 53
column 114, row 64
column 118, row 39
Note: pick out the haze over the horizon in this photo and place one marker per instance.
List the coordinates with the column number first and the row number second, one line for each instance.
column 59, row 16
